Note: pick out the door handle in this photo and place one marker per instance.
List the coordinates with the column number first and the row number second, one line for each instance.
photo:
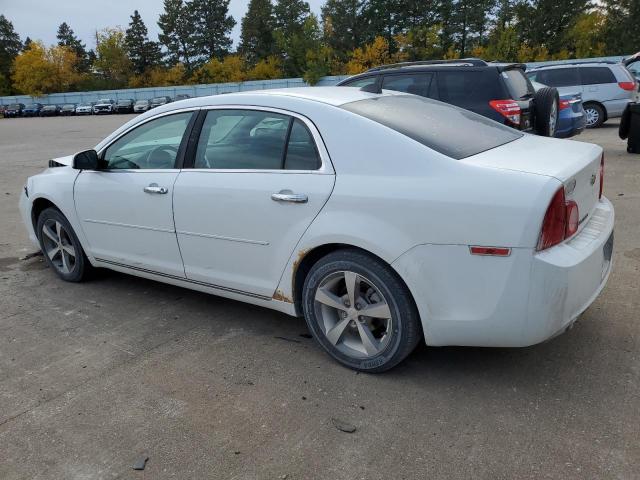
column 154, row 188
column 289, row 196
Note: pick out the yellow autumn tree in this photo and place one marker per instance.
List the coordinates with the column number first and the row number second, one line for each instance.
column 374, row 54
column 231, row 69
column 266, row 69
column 39, row 70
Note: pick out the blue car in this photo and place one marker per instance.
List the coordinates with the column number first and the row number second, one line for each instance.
column 572, row 119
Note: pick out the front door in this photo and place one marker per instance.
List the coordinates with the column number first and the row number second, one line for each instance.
column 125, row 208
column 259, row 179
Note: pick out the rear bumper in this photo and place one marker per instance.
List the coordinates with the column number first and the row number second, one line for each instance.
column 572, row 124
column 513, row 301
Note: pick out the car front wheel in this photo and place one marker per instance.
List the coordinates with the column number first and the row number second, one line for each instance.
column 360, row 311
column 60, row 246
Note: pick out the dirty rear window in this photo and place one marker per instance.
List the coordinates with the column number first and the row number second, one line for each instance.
column 444, row 128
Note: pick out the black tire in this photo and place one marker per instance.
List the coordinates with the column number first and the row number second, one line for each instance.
column 596, row 112
column 405, row 331
column 547, row 103
column 80, row 269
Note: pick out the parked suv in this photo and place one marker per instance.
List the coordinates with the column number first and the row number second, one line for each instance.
column 500, row 91
column 157, row 101
column 606, row 87
column 104, row 105
column 32, row 110
column 124, row 106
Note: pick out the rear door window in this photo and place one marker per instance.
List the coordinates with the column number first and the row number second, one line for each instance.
column 466, row 87
column 416, row 84
column 596, row 75
column 558, row 77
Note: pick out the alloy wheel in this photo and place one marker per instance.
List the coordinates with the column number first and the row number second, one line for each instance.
column 592, row 116
column 353, row 314
column 58, row 246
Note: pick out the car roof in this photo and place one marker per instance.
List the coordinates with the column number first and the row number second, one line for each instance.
column 576, row 64
column 335, row 96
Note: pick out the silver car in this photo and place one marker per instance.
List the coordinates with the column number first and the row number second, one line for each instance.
column 606, row 87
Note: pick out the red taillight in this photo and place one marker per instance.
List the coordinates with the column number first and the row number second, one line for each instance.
column 601, row 175
column 553, row 225
column 573, row 219
column 560, row 222
column 509, row 109
column 564, row 104
column 629, row 86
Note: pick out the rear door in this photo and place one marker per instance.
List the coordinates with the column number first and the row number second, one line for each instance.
column 259, row 178
column 565, row 79
column 600, row 83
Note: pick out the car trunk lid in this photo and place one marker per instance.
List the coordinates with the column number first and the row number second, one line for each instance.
column 575, row 164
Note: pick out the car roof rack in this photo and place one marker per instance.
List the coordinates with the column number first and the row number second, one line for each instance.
column 473, row 62
column 573, row 63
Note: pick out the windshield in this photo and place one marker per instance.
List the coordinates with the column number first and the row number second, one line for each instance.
column 159, row 99
column 444, row 128
column 104, row 100
column 69, row 105
column 142, row 102
column 15, row 106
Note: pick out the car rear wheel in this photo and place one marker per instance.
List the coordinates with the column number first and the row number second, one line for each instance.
column 360, row 311
column 546, row 114
column 60, row 246
column 595, row 115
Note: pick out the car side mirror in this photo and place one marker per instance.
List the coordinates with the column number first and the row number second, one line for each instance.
column 87, row 160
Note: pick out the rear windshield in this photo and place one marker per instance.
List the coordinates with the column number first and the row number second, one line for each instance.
column 449, row 130
column 465, row 88
column 14, row 106
column 517, row 84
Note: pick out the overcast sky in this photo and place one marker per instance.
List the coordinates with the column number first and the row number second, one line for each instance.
column 39, row 19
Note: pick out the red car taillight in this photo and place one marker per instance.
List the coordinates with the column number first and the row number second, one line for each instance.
column 629, row 86
column 560, row 221
column 564, row 104
column 509, row 109
column 601, row 175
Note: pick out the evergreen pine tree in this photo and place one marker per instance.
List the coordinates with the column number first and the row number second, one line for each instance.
column 256, row 35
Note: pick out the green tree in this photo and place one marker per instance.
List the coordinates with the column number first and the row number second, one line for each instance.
column 212, row 27
column 142, row 52
column 343, row 25
column 385, row 18
column 544, row 23
column 256, row 34
column 296, row 30
column 112, row 60
column 621, row 32
column 177, row 33
column 10, row 46
column 66, row 38
column 586, row 37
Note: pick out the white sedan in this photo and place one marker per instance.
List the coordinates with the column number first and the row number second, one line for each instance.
column 382, row 218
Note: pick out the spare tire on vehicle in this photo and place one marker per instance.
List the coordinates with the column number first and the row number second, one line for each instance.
column 625, row 123
column 547, row 102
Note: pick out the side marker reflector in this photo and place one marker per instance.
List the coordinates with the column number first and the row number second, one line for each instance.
column 491, row 251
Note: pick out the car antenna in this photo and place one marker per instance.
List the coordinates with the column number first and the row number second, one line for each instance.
column 372, row 88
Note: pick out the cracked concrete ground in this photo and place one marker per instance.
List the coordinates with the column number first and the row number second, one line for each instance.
column 94, row 375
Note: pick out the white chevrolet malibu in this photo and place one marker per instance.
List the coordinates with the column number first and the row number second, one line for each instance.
column 382, row 218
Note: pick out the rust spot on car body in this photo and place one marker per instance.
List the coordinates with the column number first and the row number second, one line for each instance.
column 280, row 296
